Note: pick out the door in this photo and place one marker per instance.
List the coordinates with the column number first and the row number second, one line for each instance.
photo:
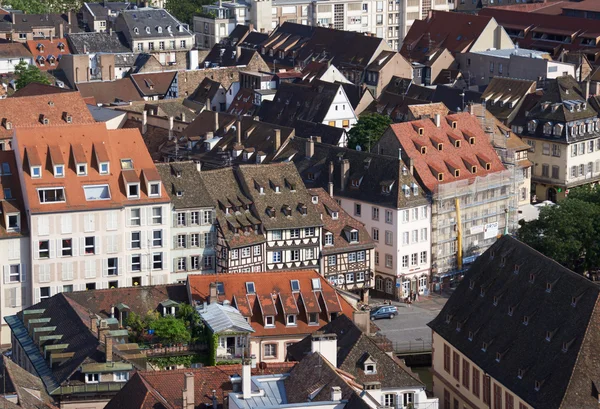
column 405, row 288
column 551, row 194
column 231, row 345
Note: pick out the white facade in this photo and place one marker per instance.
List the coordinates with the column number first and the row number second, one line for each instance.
column 403, row 244
column 99, row 249
column 16, row 274
column 7, row 65
column 340, row 113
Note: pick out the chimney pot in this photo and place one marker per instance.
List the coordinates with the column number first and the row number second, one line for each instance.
column 336, row 393
column 326, row 345
column 170, row 127
column 437, row 119
column 238, row 130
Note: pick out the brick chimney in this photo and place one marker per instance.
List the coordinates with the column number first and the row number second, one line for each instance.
column 108, row 344
column 212, row 293
column 188, row 391
column 277, row 139
column 144, row 122
column 93, row 323
column 238, row 130
column 344, row 173
column 362, row 321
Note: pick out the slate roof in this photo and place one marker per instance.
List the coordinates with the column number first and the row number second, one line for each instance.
column 100, row 10
column 164, row 389
column 109, row 92
column 454, row 31
column 29, row 22
column 329, row 134
column 139, row 299
column 557, row 303
column 394, row 105
column 222, row 318
column 292, row 193
column 189, row 182
column 207, row 89
column 300, row 102
column 503, row 92
column 154, row 83
column 92, row 42
column 462, row 158
column 30, row 390
column 341, row 242
column 238, row 34
column 453, row 97
column 352, row 348
column 375, row 170
column 227, row 56
column 153, row 19
column 398, row 85
column 274, row 296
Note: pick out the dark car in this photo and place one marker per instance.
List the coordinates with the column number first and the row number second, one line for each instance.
column 385, row 311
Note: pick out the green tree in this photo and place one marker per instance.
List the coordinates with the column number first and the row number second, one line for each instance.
column 26, row 74
column 171, row 330
column 184, row 10
column 367, row 131
column 567, row 232
column 28, row 6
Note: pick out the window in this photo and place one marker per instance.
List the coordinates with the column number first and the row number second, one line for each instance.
column 207, row 262
column 136, row 262
column 277, row 234
column 466, row 376
column 375, row 213
column 195, row 239
column 133, row 190
column 413, row 259
column 104, row 168
column 194, row 217
column 389, row 238
column 375, row 234
column 486, row 390
column 328, row 239
column 14, row 274
column 157, row 263
column 157, row 238
column 423, row 257
column 350, row 278
column 257, row 251
column 270, row 350
column 294, row 233
column 313, row 318
column 405, row 261
column 475, row 385
column 13, row 222
column 44, row 249
column 309, row 232
column 235, row 254
column 389, row 400
column 135, row 218
column 96, row 192
column 389, row 261
column 121, row 376
column 389, row 217
column 509, row 401
column 497, row 396
column 51, row 195
column 82, row 169
column 59, row 171
column 545, row 170
column 112, row 266
column 405, row 237
column 269, row 321
column 182, row 43
column 157, row 215
column 276, row 257
column 181, row 219
column 181, row 264
column 92, row 378
column 357, row 209
column 181, row 241
column 67, row 247
column 291, row 319
column 455, row 365
column 332, row 260
column 295, row 255
column 90, row 245
column 556, row 149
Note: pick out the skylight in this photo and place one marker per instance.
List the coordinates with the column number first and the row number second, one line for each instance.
column 96, row 192
column 126, row 164
column 316, row 283
column 250, row 288
column 220, row 288
column 295, row 285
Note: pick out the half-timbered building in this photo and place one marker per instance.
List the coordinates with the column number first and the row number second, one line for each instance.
column 347, row 255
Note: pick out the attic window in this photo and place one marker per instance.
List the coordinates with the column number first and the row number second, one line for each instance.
column 370, row 369
column 520, row 373
column 548, row 336
column 574, row 301
column 421, row 131
column 470, row 337
column 82, row 169
column 537, row 385
column 496, row 301
column 250, row 288
column 448, row 318
column 315, row 199
column 147, row 30
column 525, row 320
column 471, row 284
column 484, row 346
column 517, row 267
column 488, row 166
column 472, row 140
column 440, row 177
column 334, row 215
column 316, row 283
column 502, row 261
column 126, row 164
column 457, row 144
column 548, row 287
column 457, row 172
column 454, row 124
column 295, row 285
column 440, row 147
column 511, row 310
column 355, row 182
column 482, row 292
column 531, row 278
column 458, row 326
column 423, row 150
column 473, row 169
column 498, row 356
column 565, row 346
column 136, row 30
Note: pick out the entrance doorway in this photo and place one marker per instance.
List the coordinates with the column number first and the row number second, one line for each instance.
column 551, row 194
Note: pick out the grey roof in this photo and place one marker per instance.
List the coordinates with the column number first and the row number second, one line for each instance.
column 274, row 393
column 372, row 168
column 352, row 348
column 505, row 286
column 520, row 52
column 194, row 194
column 221, row 318
column 100, row 10
column 509, row 94
column 102, row 114
column 92, row 42
column 153, row 19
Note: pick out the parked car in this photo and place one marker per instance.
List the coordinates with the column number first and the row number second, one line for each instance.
column 385, row 311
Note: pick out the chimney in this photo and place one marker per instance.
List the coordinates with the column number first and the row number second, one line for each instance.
column 472, row 109
column 183, row 117
column 108, row 344
column 69, row 17
column 330, row 185
column 14, row 18
column 437, row 119
column 362, row 321
column 587, row 90
column 198, row 166
column 93, row 323
column 336, row 393
column 216, row 121
column 212, row 293
column 110, row 31
column 251, row 27
column 411, row 165
column 112, row 311
column 170, row 127
column 188, row 391
column 277, row 139
column 331, row 172
column 344, row 173
column 85, row 49
column 207, row 107
column 238, row 130
column 309, row 147
column 326, row 345
column 51, row 37
column 246, row 378
column 144, row 122
column 238, row 52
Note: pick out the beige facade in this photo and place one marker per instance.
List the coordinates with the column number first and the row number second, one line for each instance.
column 459, row 383
column 16, row 271
column 272, row 349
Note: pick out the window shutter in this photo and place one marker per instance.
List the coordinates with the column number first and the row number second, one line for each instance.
column 75, row 246
column 17, row 297
column 81, row 246
column 174, row 219
column 52, row 245
column 17, row 245
column 104, row 267
column 36, row 250
column 144, row 280
column 6, row 271
column 66, row 224
column 7, row 298
column 144, row 259
column 149, row 215
column 43, row 225
column 175, row 264
column 36, row 296
column 175, row 244
column 143, row 240
column 23, row 273
column 97, row 247
column 121, row 270
column 11, row 249
column 128, row 216
column 142, row 216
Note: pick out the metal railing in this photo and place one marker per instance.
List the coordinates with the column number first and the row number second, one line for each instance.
column 412, row 347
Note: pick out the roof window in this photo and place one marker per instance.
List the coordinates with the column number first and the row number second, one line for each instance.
column 316, row 283
column 220, row 288
column 423, row 150
column 457, row 143
column 126, row 164
column 548, row 287
column 472, row 140
column 295, row 285
column 454, row 124
column 250, row 288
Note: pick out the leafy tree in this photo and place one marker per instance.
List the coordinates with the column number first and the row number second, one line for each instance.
column 171, row 330
column 367, row 131
column 27, row 74
column 568, row 232
column 184, row 10
column 29, row 6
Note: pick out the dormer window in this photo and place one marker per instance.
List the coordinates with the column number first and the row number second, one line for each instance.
column 473, row 169
column 291, row 320
column 454, row 124
column 136, row 30
column 423, row 150
column 329, row 239
column 295, row 284
column 470, row 336
column 525, row 320
column 440, row 177
column 440, row 147
column 334, row 215
column 457, row 143
column 488, row 166
column 81, row 169
column 537, row 385
column 159, row 29
column 354, row 237
column 498, row 356
column 511, row 310
column 36, row 172
column 484, row 346
column 456, row 172
column 40, row 47
column 370, row 369
column 315, row 199
column 12, row 222
column 471, row 284
column 133, row 190
column 520, row 373
column 154, row 189
column 531, row 278
column 104, row 168
column 548, row 336
column 59, row 171
column 472, row 140
column 355, row 183
column 421, row 131
column 496, row 299
column 147, row 30
column 548, row 287
column 126, row 164
column 270, row 321
column 250, row 288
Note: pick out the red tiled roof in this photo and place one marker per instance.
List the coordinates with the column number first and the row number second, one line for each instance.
column 164, row 389
column 269, row 285
column 113, row 145
column 42, row 50
column 26, row 111
column 14, row 202
column 155, row 83
column 451, row 158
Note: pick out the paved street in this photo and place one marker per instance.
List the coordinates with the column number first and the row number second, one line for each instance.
column 410, row 326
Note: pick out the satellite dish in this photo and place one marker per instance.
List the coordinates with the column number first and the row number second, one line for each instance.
column 358, row 148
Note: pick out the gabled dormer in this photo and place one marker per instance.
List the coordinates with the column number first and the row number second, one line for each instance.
column 351, row 234
column 286, row 210
column 79, row 159
column 132, row 184
column 276, row 187
column 102, row 159
column 35, row 164
column 386, row 186
column 58, row 163
column 369, row 365
column 259, row 188
column 302, row 209
column 153, row 182
column 13, row 221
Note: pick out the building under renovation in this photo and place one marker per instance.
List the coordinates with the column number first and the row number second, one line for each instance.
column 472, row 192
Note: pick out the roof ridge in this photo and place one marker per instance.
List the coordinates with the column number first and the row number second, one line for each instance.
column 150, row 390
